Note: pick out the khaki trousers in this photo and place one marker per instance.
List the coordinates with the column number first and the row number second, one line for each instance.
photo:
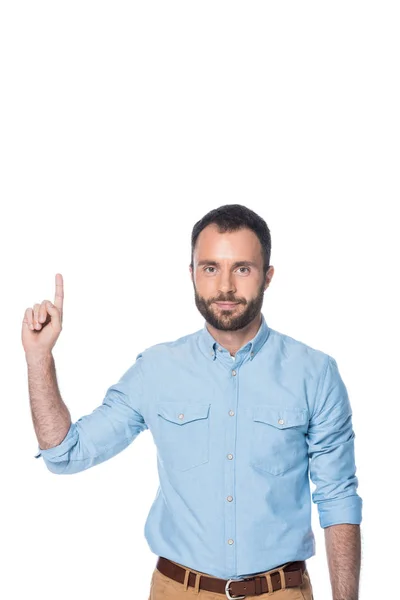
column 164, row 588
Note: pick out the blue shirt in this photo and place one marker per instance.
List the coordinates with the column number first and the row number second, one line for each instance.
column 236, row 442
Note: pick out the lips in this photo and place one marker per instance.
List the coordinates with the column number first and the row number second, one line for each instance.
column 227, row 303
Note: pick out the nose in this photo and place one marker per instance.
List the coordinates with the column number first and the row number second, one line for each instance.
column 226, row 283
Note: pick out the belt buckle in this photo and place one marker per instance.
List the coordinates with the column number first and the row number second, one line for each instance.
column 227, row 593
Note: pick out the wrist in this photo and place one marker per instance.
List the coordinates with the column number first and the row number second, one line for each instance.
column 38, row 357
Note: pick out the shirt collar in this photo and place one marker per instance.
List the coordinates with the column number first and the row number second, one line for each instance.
column 210, row 346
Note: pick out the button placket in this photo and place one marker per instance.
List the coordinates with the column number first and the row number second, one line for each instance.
column 230, row 524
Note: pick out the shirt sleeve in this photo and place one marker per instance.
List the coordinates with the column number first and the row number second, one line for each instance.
column 331, row 452
column 109, row 429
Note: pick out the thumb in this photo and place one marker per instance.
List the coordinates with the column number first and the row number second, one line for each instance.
column 54, row 314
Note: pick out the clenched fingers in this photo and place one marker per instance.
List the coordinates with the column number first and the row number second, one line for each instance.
column 28, row 318
column 36, row 323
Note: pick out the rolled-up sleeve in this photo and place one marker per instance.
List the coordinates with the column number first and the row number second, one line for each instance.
column 109, row 429
column 331, row 451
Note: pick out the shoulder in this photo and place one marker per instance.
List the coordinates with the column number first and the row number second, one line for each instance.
column 307, row 368
column 298, row 352
column 170, row 349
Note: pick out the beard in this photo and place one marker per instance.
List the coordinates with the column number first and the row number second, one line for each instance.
column 230, row 319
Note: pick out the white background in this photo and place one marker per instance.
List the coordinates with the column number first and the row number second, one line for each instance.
column 122, row 124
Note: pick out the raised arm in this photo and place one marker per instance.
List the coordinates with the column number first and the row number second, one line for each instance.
column 68, row 447
column 41, row 328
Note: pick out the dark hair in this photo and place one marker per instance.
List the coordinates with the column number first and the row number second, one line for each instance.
column 232, row 217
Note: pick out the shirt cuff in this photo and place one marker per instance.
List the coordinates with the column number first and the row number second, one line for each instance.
column 343, row 510
column 57, row 452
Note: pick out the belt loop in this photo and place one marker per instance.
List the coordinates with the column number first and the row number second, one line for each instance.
column 269, row 583
column 283, row 579
column 186, row 580
column 197, row 584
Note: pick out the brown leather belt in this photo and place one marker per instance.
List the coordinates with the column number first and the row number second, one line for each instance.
column 238, row 588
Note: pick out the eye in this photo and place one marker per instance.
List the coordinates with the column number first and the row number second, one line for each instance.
column 205, row 269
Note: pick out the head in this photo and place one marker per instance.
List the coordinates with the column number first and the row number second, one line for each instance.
column 231, row 248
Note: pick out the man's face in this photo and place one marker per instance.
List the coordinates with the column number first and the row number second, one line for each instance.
column 216, row 277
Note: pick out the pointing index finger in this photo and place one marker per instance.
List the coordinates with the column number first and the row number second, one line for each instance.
column 59, row 295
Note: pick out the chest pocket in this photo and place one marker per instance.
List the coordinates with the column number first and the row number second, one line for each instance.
column 278, row 442
column 183, row 434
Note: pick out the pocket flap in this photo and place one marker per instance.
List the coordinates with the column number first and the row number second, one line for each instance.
column 279, row 417
column 183, row 413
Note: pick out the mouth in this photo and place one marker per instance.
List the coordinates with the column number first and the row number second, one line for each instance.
column 226, row 305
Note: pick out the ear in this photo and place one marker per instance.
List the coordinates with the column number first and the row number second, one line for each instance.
column 269, row 276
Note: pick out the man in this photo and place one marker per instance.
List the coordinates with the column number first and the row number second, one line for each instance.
column 240, row 415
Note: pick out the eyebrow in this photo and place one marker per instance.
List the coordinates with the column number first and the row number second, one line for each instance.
column 240, row 263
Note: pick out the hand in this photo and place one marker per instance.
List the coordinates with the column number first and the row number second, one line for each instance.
column 43, row 324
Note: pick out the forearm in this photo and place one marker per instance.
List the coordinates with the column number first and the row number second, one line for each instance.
column 50, row 416
column 343, row 549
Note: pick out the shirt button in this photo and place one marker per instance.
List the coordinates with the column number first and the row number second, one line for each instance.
column 230, row 456
column 181, row 416
column 231, row 412
column 281, row 421
column 233, row 372
column 252, row 353
column 219, row 349
column 230, row 542
column 229, row 498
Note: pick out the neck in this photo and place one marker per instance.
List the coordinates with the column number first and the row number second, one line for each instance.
column 234, row 340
